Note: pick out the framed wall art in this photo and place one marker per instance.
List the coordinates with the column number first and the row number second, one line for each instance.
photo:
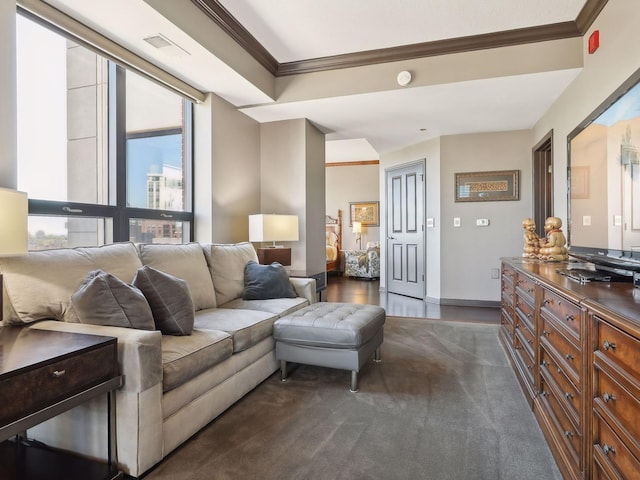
column 488, row 186
column 368, row 213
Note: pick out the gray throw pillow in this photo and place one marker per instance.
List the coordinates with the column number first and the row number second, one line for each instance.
column 104, row 299
column 262, row 282
column 169, row 299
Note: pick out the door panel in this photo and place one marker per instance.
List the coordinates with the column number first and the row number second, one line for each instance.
column 405, row 230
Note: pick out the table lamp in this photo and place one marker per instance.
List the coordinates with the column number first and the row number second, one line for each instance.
column 273, row 228
column 14, row 211
column 357, row 229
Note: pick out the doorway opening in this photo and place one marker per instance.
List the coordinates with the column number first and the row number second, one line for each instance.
column 543, row 182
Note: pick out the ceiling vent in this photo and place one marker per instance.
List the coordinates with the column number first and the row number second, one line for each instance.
column 166, row 46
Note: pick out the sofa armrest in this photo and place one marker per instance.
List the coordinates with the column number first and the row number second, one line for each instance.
column 305, row 287
column 139, row 351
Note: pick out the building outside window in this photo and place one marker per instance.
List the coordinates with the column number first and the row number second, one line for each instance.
column 103, row 152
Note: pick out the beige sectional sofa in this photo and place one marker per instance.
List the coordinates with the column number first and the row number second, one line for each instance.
column 173, row 385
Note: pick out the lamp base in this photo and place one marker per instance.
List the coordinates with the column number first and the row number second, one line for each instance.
column 267, row 256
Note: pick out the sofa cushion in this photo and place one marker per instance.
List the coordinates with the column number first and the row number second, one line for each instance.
column 246, row 327
column 262, row 282
column 104, row 299
column 169, row 299
column 277, row 306
column 39, row 285
column 183, row 358
column 184, row 261
column 226, row 263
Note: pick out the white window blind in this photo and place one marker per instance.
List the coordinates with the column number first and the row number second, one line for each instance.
column 41, row 11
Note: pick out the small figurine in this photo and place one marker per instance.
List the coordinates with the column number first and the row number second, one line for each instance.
column 552, row 247
column 531, row 239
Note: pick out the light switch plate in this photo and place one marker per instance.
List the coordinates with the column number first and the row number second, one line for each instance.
column 457, row 222
column 431, row 222
column 482, row 222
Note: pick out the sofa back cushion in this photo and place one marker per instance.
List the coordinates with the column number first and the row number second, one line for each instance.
column 185, row 261
column 226, row 263
column 39, row 285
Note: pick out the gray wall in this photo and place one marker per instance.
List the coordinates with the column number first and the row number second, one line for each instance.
column 8, row 132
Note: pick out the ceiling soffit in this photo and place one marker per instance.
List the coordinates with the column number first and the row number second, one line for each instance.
column 225, row 20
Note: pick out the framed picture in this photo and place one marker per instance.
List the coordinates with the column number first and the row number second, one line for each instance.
column 366, row 212
column 488, row 186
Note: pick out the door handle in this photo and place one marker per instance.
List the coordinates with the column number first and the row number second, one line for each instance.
column 391, row 238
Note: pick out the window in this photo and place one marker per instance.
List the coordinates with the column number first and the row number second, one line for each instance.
column 103, row 152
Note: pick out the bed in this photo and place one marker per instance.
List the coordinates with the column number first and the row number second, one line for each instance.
column 333, row 236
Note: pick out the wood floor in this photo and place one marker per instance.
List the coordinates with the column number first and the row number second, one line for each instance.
column 341, row 289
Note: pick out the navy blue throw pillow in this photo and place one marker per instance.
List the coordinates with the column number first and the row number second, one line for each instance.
column 262, row 282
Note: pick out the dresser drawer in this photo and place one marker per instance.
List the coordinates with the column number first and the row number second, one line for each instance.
column 570, row 396
column 506, row 319
column 507, row 273
column 611, row 452
column 525, row 287
column 566, row 432
column 619, row 348
column 566, row 312
column 526, row 337
column 526, row 313
column 33, row 390
column 617, row 403
column 568, row 356
column 525, row 358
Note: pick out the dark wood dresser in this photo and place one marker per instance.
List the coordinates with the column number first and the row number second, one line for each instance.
column 575, row 349
column 42, row 374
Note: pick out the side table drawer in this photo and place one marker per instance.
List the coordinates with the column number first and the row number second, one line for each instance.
column 30, row 391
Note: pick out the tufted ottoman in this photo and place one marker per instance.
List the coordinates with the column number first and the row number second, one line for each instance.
column 334, row 335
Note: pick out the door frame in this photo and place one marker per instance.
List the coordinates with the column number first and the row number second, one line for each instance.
column 542, row 180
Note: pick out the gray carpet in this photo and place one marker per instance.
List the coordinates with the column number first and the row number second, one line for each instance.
column 443, row 404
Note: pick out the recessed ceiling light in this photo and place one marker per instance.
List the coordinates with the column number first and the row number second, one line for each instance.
column 165, row 45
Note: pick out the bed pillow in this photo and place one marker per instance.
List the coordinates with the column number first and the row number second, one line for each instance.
column 263, row 282
column 169, row 299
column 104, row 299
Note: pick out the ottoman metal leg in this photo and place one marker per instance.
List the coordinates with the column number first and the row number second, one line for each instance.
column 376, row 356
column 354, row 381
column 283, row 370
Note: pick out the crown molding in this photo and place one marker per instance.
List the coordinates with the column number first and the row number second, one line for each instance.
column 221, row 16
column 214, row 10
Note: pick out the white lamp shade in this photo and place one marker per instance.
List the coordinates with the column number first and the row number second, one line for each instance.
column 357, row 227
column 273, row 228
column 14, row 211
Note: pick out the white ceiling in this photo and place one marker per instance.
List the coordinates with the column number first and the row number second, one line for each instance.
column 304, row 29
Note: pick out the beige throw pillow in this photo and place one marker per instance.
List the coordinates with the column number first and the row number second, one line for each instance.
column 104, row 299
column 227, row 263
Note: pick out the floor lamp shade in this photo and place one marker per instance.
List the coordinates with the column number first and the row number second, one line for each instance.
column 14, row 211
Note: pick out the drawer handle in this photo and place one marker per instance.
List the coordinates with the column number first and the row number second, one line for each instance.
column 568, row 356
column 59, row 373
column 607, row 449
column 544, row 393
column 569, row 318
column 529, row 341
column 529, row 315
column 568, row 395
column 529, row 290
column 546, row 301
column 608, row 345
column 529, row 367
column 546, row 333
column 607, row 396
column 545, row 363
column 568, row 433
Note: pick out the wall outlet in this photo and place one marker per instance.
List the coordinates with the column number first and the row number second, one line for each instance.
column 457, row 222
column 586, row 220
column 495, row 273
column 482, row 222
column 431, row 222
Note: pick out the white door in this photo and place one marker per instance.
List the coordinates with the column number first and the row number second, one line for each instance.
column 405, row 230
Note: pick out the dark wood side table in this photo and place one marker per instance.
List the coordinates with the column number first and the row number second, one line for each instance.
column 43, row 374
column 320, row 278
